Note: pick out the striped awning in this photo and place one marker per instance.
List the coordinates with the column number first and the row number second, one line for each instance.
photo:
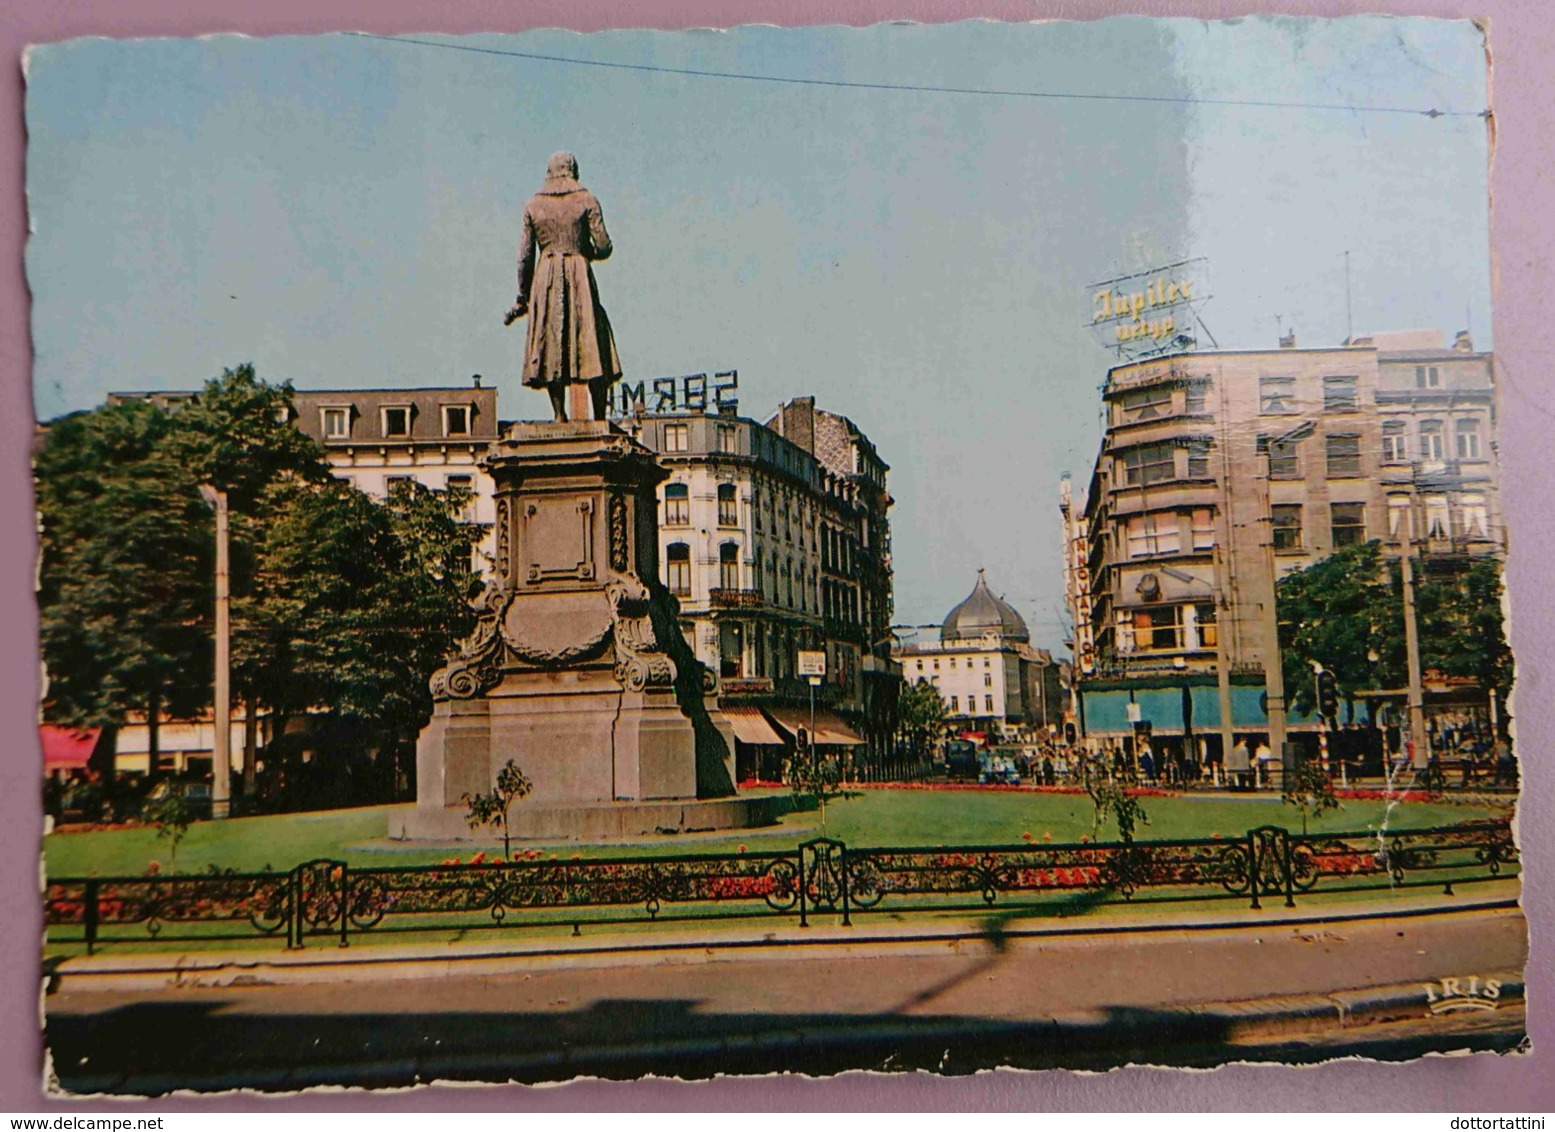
column 67, row 749
column 750, row 726
column 830, row 730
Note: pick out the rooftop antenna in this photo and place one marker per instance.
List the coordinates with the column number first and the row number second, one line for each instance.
column 1349, row 316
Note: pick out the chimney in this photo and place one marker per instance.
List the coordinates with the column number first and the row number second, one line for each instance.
column 1288, row 341
column 1463, row 343
column 476, row 378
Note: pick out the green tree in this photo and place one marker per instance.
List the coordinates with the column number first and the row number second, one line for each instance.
column 920, row 717
column 338, row 603
column 170, row 815
column 354, row 605
column 491, row 808
column 125, row 570
column 1310, row 790
column 1110, row 799
column 1347, row 614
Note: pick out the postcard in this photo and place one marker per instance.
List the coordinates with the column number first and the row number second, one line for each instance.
column 769, row 550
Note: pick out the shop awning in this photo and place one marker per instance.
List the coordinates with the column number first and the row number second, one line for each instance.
column 830, row 730
column 750, row 726
column 67, row 749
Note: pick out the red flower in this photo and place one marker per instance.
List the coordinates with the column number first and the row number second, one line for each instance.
column 1027, row 835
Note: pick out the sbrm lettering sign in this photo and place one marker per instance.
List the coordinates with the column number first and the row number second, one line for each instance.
column 691, row 393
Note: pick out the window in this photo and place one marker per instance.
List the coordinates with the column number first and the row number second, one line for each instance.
column 1468, row 439
column 1347, row 524
column 1344, row 456
column 1151, row 464
column 1153, row 534
column 1203, row 529
column 679, row 560
column 729, row 566
column 464, row 484
column 456, row 420
column 955, row 704
column 396, row 420
column 675, row 438
column 337, row 423
column 759, row 582
column 1398, row 516
column 920, row 666
column 1428, row 377
column 1476, row 516
column 1276, row 396
column 936, row 664
column 1395, row 449
column 1144, row 404
column 1197, row 397
column 677, row 505
column 1282, row 458
column 988, row 704
column 1340, row 395
column 1198, row 459
column 728, row 440
column 1438, row 518
column 1286, row 522
column 1433, row 448
column 728, row 506
column 1204, row 619
column 987, row 681
column 392, row 482
column 1156, row 628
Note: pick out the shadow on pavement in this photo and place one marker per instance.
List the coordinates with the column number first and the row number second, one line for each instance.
column 222, row 1040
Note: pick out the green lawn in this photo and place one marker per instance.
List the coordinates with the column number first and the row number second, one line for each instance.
column 868, row 818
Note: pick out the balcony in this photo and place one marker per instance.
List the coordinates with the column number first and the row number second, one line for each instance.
column 735, row 599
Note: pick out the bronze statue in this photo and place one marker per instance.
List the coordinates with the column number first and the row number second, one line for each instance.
column 569, row 341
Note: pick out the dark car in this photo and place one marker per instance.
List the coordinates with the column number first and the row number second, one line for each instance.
column 961, row 762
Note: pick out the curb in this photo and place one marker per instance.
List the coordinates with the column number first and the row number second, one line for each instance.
column 191, row 970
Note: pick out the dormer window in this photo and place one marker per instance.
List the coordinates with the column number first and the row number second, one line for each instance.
column 335, row 422
column 456, row 420
column 396, row 420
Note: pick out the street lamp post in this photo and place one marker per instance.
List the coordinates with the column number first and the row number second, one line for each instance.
column 221, row 762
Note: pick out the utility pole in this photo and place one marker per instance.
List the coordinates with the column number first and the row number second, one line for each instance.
column 1273, row 669
column 221, row 762
column 1225, row 612
column 1422, row 751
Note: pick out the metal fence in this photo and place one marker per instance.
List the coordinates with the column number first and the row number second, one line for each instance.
column 335, row 900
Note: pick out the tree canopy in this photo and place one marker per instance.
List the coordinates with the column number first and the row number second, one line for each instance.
column 1347, row 614
column 342, row 605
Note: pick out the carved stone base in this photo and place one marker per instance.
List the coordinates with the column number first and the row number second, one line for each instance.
column 577, row 670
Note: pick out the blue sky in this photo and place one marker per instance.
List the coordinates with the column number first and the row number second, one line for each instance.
column 342, row 211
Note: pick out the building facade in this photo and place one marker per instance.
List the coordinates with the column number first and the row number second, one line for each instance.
column 1219, row 473
column 375, row 438
column 764, row 544
column 982, row 663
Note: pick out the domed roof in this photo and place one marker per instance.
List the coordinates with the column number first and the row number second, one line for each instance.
column 982, row 613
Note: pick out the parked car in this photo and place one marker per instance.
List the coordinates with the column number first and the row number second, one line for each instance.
column 999, row 772
column 961, row 762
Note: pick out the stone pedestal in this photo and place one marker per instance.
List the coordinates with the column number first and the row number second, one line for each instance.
column 577, row 669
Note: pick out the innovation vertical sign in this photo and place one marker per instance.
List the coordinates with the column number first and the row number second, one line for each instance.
column 1149, row 312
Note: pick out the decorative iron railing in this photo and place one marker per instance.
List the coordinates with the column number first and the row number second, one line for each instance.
column 339, row 901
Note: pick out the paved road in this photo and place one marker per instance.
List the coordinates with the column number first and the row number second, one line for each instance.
column 955, row 1006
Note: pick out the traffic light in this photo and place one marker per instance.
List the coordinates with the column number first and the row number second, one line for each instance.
column 1327, row 696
